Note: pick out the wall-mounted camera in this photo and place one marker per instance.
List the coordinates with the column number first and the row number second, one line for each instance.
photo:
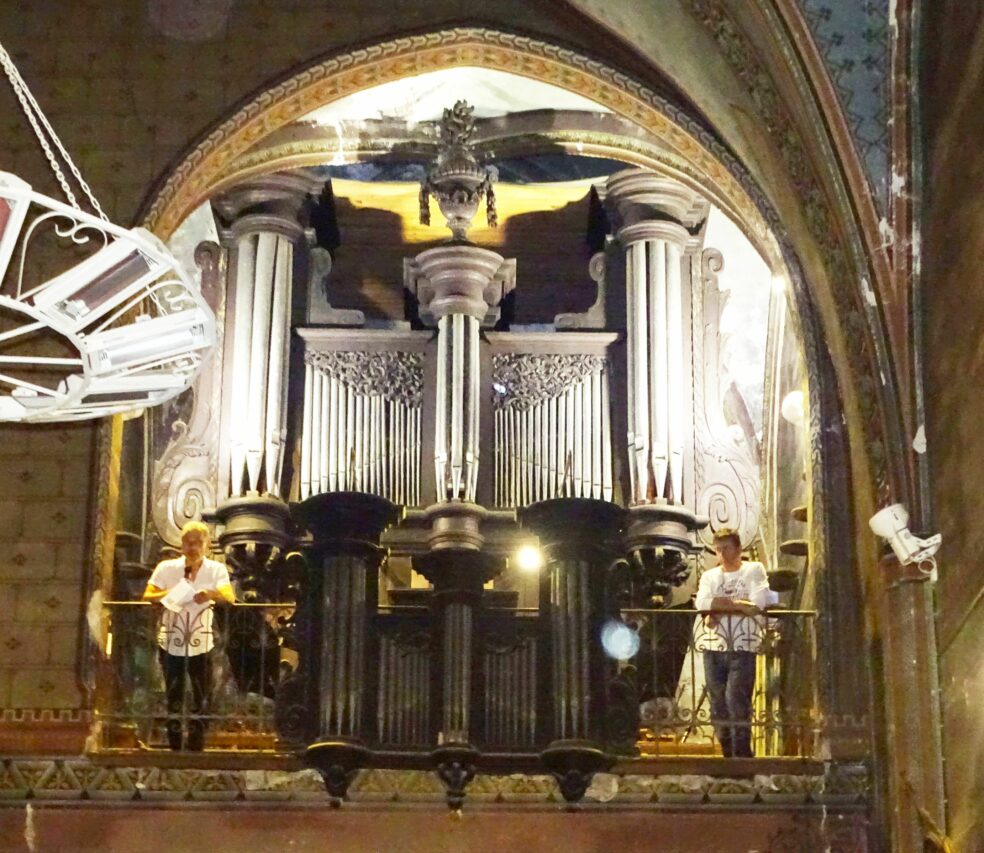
column 892, row 523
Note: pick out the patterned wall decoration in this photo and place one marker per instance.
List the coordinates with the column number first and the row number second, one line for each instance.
column 853, row 36
column 839, row 787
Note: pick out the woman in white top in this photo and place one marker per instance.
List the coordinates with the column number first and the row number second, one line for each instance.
column 187, row 587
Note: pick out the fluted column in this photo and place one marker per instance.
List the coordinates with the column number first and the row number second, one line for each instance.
column 653, row 216
column 457, row 285
column 263, row 233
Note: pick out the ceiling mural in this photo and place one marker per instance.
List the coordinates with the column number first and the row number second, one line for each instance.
column 853, row 37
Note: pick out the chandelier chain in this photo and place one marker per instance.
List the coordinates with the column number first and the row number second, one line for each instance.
column 34, row 114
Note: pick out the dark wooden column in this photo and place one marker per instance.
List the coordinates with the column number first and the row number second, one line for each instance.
column 342, row 595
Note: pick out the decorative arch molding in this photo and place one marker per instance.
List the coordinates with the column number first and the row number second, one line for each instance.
column 723, row 178
column 869, row 273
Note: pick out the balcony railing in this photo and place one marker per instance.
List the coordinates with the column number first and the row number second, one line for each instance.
column 251, row 654
column 515, row 700
column 676, row 705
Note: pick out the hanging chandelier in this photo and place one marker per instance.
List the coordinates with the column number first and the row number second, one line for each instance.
column 95, row 319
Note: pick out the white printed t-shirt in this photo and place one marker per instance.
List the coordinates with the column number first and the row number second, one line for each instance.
column 188, row 632
column 732, row 632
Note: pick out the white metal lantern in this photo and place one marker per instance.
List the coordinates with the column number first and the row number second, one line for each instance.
column 131, row 328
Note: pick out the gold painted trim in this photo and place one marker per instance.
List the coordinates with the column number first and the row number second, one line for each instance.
column 209, row 164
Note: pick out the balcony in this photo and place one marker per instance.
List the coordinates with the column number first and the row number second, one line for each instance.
column 650, row 713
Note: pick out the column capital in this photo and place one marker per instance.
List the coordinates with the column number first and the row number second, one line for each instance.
column 268, row 203
column 459, row 279
column 653, row 229
column 638, row 195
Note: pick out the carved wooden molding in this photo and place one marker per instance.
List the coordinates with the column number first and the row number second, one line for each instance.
column 396, row 376
column 525, row 379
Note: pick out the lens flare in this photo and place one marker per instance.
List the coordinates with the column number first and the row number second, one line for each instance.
column 618, row 640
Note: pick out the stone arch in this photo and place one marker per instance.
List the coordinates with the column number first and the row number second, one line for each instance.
column 829, row 310
column 838, row 384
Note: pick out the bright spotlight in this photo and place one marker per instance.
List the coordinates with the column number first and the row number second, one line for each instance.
column 529, row 558
column 618, row 640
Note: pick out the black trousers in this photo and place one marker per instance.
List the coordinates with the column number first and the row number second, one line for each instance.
column 198, row 670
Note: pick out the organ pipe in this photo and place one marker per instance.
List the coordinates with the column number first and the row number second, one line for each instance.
column 536, row 438
column 358, row 438
column 260, row 347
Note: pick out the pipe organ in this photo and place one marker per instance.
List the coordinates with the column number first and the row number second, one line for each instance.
column 377, row 433
column 361, row 423
column 552, row 427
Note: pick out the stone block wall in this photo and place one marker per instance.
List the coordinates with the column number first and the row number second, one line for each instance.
column 44, row 551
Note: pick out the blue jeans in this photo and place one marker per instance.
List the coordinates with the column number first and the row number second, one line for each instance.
column 730, row 680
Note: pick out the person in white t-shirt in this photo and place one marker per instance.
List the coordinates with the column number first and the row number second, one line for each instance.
column 732, row 597
column 187, row 587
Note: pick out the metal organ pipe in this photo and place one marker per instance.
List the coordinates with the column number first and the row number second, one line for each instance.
column 656, row 219
column 359, row 438
column 260, row 348
column 245, row 283
column 654, row 252
column 456, row 454
column 557, row 444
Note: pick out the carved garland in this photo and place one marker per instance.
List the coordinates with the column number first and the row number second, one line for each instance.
column 524, row 380
column 396, row 376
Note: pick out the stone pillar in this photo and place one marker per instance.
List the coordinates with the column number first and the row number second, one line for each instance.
column 262, row 231
column 912, row 704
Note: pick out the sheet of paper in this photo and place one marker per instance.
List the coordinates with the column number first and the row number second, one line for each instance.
column 178, row 595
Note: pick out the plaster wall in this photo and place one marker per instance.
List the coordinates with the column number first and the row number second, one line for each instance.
column 953, row 89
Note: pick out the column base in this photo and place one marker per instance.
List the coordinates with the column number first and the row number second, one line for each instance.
column 573, row 763
column 337, row 760
column 455, row 765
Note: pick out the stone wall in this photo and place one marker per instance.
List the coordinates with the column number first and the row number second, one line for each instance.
column 44, row 541
column 953, row 89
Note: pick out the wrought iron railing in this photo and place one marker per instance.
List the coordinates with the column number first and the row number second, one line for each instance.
column 677, row 717
column 514, row 696
column 250, row 654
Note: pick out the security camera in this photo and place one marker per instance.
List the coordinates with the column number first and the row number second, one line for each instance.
column 892, row 523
